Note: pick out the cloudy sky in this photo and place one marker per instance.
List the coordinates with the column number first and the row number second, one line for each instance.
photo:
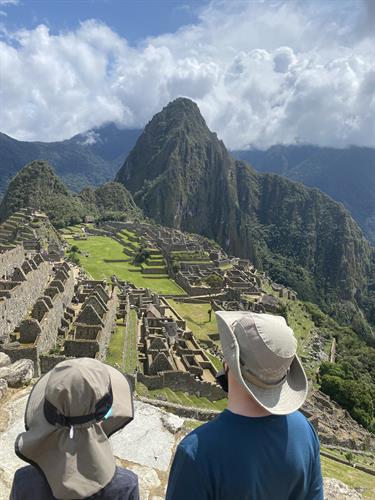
column 262, row 71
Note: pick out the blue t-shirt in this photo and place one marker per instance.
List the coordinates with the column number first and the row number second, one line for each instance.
column 246, row 458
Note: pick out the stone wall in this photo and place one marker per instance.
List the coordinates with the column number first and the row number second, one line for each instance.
column 11, row 259
column 191, row 290
column 182, row 381
column 81, row 348
column 41, row 328
column 51, row 321
column 22, row 297
column 49, row 361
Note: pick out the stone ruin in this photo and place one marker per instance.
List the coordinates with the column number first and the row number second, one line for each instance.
column 168, row 352
column 87, row 325
column 46, row 314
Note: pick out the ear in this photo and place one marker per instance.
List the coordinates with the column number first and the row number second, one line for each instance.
column 226, row 367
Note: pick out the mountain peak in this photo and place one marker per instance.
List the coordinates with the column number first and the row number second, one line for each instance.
column 178, row 130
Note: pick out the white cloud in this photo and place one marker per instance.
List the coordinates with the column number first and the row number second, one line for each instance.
column 261, row 72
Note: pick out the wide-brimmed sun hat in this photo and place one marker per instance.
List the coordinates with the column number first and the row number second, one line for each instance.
column 260, row 350
column 70, row 414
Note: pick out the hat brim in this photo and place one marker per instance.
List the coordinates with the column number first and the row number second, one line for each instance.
column 278, row 400
column 81, row 466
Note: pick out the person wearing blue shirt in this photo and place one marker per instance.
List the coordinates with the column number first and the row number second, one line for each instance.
column 261, row 447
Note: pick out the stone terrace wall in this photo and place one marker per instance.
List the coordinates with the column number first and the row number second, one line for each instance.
column 52, row 319
column 42, row 333
column 182, row 381
column 11, row 259
column 22, row 297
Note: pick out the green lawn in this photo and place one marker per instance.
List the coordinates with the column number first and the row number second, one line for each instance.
column 196, row 316
column 99, row 248
column 352, row 477
column 115, row 348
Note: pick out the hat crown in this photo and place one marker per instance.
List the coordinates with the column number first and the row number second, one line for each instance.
column 75, row 386
column 267, row 346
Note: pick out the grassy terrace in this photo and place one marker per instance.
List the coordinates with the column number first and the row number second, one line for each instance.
column 196, row 316
column 115, row 348
column 350, row 476
column 182, row 398
column 96, row 249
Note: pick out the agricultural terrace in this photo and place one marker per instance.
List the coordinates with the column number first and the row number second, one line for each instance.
column 98, row 256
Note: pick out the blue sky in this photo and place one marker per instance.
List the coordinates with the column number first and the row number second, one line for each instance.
column 263, row 72
column 132, row 19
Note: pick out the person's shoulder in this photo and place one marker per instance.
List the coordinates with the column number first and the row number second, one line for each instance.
column 28, row 473
column 298, row 420
column 203, row 433
column 126, row 476
column 29, row 479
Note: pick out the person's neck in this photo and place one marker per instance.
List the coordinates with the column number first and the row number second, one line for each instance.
column 242, row 403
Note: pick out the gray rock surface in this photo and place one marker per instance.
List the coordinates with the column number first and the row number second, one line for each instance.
column 18, row 373
column 145, row 440
column 173, row 423
column 337, row 490
column 4, row 359
column 3, row 387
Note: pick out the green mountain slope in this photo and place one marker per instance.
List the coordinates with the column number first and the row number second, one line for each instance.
column 347, row 175
column 181, row 175
column 37, row 187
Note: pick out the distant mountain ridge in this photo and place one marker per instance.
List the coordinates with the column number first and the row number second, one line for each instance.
column 182, row 176
column 91, row 158
column 347, row 175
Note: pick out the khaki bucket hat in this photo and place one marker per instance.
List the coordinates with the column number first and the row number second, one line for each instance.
column 70, row 414
column 260, row 350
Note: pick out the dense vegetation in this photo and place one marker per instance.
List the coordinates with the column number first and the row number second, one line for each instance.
column 37, row 186
column 181, row 175
column 347, row 175
column 350, row 381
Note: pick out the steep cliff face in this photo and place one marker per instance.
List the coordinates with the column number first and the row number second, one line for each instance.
column 347, row 175
column 181, row 175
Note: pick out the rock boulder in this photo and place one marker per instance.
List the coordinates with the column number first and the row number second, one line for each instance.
column 3, row 387
column 18, row 373
column 4, row 360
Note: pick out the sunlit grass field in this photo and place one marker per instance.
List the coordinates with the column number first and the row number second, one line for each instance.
column 95, row 250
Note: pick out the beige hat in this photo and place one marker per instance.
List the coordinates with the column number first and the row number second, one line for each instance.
column 70, row 413
column 260, row 350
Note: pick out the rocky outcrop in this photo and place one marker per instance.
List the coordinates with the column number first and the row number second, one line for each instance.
column 336, row 426
column 3, row 388
column 19, row 373
column 337, row 490
column 4, row 360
